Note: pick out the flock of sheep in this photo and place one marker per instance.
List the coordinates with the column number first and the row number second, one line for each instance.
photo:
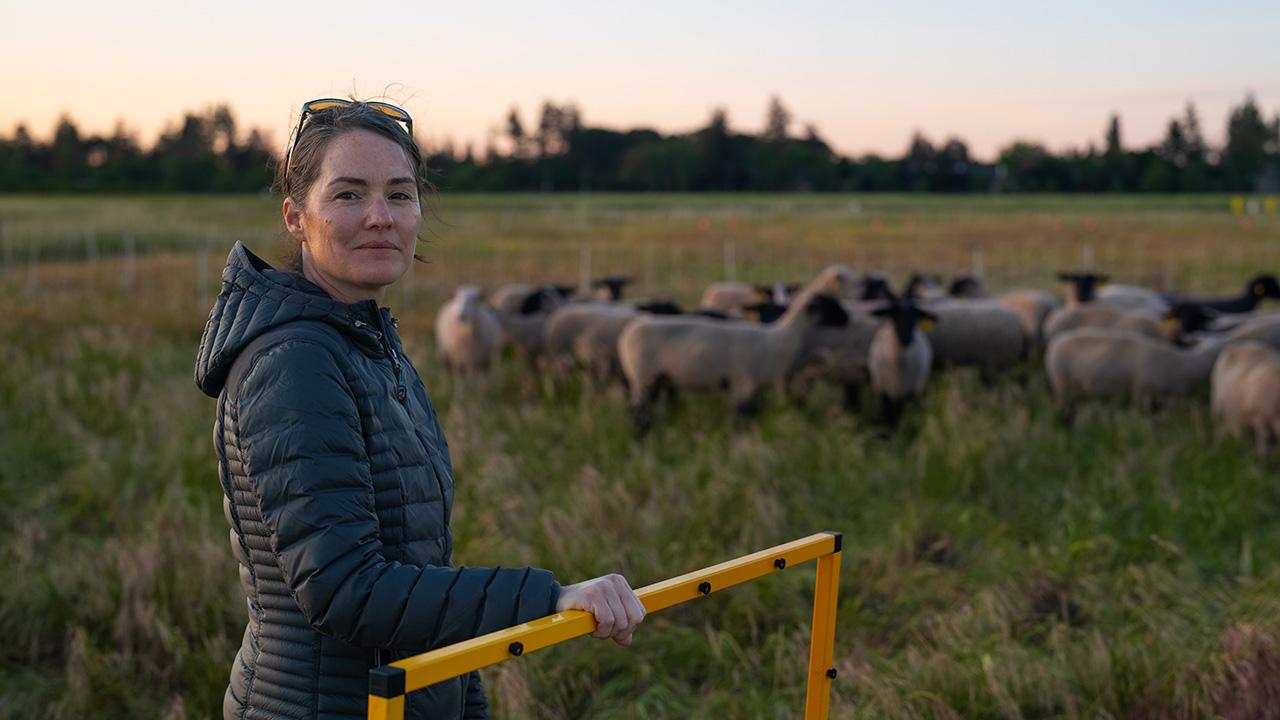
column 852, row 329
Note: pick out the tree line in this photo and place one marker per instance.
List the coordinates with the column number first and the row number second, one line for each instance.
column 208, row 152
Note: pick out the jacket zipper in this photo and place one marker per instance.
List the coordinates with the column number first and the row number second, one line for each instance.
column 402, row 392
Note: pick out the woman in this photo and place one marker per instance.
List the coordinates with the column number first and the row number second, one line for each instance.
column 336, row 475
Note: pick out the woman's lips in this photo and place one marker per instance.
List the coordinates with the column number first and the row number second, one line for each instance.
column 377, row 246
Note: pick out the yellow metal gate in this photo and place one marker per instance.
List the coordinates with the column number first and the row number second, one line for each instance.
column 389, row 684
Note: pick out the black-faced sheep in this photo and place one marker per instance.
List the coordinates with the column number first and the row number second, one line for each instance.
column 900, row 357
column 697, row 353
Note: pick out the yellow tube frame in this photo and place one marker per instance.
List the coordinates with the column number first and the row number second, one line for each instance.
column 389, row 684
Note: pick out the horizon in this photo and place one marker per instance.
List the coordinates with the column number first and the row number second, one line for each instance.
column 867, row 77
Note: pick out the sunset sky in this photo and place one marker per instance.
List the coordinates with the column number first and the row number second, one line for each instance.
column 865, row 73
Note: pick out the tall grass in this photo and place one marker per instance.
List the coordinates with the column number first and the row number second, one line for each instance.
column 996, row 564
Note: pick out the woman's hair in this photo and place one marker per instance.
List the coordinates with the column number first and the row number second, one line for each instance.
column 295, row 179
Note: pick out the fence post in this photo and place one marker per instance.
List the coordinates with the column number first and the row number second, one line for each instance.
column 8, row 246
column 130, row 260
column 90, row 244
column 817, row 704
column 33, row 262
column 202, row 273
column 584, row 271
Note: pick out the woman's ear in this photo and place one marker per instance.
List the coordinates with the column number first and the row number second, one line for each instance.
column 293, row 219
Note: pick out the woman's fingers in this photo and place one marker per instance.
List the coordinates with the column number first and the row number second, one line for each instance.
column 601, row 608
column 616, row 608
column 611, row 600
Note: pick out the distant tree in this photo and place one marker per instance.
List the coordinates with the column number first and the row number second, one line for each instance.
column 1114, row 161
column 1114, row 144
column 920, row 166
column 1195, row 145
column 515, row 132
column 777, row 120
column 70, row 156
column 716, row 146
column 954, row 167
column 1245, row 154
column 1174, row 146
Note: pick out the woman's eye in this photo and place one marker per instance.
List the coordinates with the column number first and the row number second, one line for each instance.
column 345, row 195
column 401, row 196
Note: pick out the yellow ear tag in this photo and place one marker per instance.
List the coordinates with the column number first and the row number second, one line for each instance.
column 1170, row 322
column 926, row 324
column 1258, row 289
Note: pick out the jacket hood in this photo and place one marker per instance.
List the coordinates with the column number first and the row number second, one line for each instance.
column 256, row 297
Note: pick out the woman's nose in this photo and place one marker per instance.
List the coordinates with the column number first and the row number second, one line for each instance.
column 379, row 213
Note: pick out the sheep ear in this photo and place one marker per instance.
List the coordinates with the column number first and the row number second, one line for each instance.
column 882, row 311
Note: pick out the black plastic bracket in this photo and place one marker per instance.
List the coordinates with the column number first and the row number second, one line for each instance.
column 386, row 681
column 839, row 536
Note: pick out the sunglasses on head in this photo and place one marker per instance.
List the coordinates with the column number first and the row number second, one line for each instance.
column 315, row 106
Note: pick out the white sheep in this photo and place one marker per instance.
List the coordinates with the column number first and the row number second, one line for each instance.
column 1103, row 317
column 698, row 353
column 900, row 357
column 985, row 334
column 1033, row 306
column 467, row 331
column 1245, row 394
column 1134, row 299
column 1105, row 364
column 586, row 335
column 728, row 297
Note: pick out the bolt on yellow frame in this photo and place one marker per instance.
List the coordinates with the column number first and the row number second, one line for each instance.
column 389, row 684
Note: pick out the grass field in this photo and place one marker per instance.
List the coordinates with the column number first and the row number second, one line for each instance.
column 995, row 565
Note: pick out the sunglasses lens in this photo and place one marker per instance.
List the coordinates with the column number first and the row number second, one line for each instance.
column 318, row 105
column 391, row 110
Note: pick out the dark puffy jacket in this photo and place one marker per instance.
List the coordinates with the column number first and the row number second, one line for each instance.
column 338, row 489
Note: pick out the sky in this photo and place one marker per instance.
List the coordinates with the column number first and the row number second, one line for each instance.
column 866, row 74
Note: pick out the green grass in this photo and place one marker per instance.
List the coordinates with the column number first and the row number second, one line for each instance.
column 995, row 565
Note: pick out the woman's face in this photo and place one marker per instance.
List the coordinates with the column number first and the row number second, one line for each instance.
column 360, row 224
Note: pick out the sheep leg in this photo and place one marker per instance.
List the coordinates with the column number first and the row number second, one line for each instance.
column 746, row 402
column 643, row 396
column 1067, row 412
column 987, row 375
column 853, row 398
column 798, row 389
column 890, row 412
column 1263, row 439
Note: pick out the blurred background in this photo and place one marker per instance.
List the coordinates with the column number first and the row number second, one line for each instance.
column 999, row 562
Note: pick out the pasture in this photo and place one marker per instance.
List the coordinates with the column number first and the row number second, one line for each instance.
column 996, row 564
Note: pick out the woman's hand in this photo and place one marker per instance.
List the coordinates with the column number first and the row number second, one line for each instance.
column 611, row 600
